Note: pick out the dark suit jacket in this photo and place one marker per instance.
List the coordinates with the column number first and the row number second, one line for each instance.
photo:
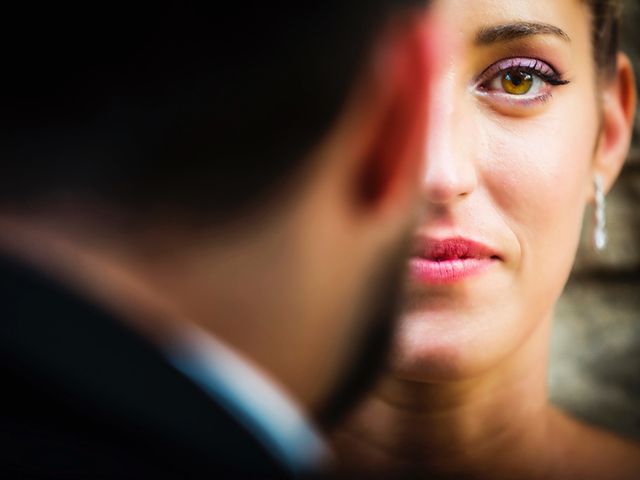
column 82, row 396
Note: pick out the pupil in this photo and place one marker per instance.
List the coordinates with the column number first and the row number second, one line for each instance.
column 516, row 82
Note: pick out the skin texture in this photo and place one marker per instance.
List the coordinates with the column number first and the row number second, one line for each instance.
column 465, row 394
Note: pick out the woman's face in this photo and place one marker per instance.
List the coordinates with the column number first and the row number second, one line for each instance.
column 514, row 124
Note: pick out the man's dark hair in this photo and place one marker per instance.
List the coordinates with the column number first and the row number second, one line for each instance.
column 204, row 112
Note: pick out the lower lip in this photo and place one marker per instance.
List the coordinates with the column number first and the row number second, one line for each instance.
column 447, row 271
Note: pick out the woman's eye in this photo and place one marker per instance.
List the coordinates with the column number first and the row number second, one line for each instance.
column 516, row 82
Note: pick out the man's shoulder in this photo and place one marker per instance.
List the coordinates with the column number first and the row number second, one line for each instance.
column 84, row 395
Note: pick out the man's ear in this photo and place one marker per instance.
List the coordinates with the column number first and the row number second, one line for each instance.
column 618, row 113
column 393, row 107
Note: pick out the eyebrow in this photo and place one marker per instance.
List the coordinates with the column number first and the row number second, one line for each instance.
column 513, row 31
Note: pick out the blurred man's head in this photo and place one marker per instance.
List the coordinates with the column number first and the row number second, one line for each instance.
column 256, row 168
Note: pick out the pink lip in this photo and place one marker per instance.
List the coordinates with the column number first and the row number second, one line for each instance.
column 450, row 260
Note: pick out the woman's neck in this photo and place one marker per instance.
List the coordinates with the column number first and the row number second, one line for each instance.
column 491, row 425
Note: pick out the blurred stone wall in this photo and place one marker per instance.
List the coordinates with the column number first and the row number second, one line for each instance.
column 595, row 353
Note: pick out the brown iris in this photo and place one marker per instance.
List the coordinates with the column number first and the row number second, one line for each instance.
column 516, row 82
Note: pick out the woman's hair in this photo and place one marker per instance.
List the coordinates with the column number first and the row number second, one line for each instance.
column 606, row 16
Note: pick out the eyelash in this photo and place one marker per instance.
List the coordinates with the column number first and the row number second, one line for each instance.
column 531, row 66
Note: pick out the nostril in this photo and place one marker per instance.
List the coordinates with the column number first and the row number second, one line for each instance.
column 442, row 187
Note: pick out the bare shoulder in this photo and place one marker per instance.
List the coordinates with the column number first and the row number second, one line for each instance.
column 588, row 452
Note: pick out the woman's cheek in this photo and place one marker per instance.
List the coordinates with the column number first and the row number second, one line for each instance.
column 537, row 176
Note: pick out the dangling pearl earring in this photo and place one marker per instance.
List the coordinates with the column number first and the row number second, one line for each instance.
column 600, row 230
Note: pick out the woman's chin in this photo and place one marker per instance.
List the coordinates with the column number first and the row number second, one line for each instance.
column 442, row 346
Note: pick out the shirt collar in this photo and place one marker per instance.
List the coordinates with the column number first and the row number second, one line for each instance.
column 249, row 395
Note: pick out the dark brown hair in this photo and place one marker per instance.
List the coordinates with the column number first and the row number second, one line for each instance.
column 606, row 15
column 205, row 110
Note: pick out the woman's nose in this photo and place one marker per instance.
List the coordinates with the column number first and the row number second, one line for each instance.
column 449, row 172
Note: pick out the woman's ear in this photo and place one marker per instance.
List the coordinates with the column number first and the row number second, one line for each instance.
column 618, row 113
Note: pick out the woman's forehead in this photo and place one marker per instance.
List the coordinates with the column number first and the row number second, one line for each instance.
column 469, row 17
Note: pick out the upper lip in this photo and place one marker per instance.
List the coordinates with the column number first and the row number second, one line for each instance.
column 453, row 248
